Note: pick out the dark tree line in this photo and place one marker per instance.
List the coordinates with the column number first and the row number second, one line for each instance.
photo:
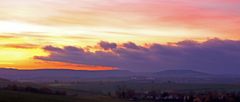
column 41, row 90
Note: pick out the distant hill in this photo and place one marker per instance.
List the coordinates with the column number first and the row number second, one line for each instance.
column 64, row 75
column 181, row 73
column 59, row 74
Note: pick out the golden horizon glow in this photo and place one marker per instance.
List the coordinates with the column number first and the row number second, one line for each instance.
column 28, row 25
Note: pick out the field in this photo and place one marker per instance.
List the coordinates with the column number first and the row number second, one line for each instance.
column 13, row 96
column 101, row 87
column 114, row 91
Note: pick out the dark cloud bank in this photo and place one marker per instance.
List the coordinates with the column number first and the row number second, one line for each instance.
column 213, row 56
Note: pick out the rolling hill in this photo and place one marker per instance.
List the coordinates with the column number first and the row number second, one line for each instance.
column 64, row 75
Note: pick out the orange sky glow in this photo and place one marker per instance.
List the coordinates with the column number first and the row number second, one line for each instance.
column 26, row 26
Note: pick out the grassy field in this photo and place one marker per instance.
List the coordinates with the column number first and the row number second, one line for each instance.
column 98, row 91
column 12, row 96
column 105, row 87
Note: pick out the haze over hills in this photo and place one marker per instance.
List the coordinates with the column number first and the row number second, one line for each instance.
column 77, row 75
column 182, row 73
column 59, row 74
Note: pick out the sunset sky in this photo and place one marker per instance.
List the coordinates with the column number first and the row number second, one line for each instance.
column 148, row 35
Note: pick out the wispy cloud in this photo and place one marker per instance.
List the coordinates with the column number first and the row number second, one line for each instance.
column 20, row 46
column 220, row 17
column 6, row 36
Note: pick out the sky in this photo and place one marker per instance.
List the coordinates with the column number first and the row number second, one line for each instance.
column 143, row 35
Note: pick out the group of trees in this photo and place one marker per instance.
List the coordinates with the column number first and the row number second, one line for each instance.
column 40, row 90
column 158, row 96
